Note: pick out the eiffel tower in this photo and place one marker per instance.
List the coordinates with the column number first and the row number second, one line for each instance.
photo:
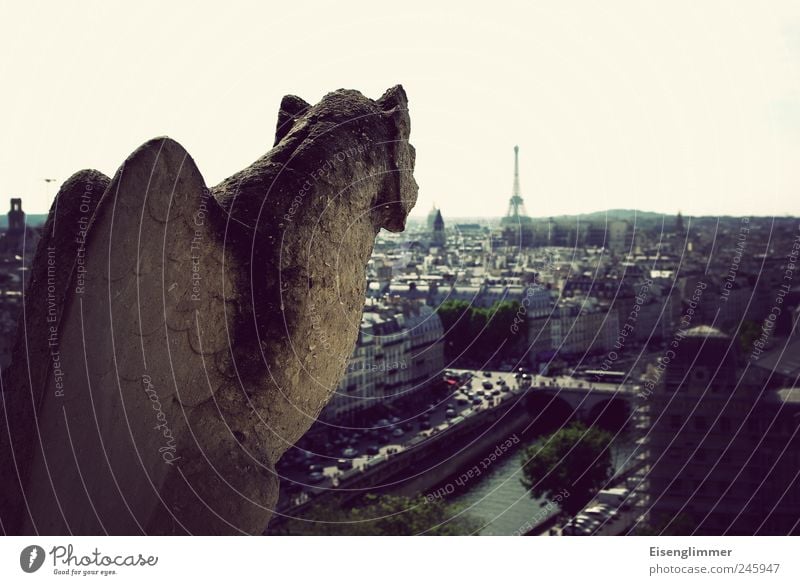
column 517, row 226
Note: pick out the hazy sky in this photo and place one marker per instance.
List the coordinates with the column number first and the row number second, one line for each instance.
column 654, row 105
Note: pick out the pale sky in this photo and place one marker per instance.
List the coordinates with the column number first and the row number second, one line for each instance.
column 658, row 106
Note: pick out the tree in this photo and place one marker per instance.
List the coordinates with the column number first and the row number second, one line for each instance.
column 748, row 333
column 384, row 515
column 455, row 316
column 575, row 459
column 474, row 332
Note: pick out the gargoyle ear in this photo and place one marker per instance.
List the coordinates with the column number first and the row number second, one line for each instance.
column 292, row 107
column 394, row 107
column 393, row 97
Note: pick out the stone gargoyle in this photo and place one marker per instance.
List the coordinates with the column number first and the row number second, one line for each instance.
column 176, row 339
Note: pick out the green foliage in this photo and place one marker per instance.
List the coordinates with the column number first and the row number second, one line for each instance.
column 575, row 459
column 474, row 332
column 748, row 333
column 384, row 515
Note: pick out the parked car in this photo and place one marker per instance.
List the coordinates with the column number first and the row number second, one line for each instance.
column 487, row 374
column 425, row 425
column 487, row 385
column 609, row 510
column 397, row 433
column 350, row 452
column 616, row 497
column 596, row 513
column 373, row 450
column 450, row 413
column 344, row 464
column 586, row 522
column 315, row 477
column 316, row 468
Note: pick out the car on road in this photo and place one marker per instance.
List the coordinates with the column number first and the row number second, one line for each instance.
column 450, row 413
column 425, row 425
column 601, row 514
column 398, row 433
column 350, row 452
column 476, row 401
column 586, row 522
column 487, row 385
column 373, row 450
column 487, row 374
column 610, row 510
column 344, row 464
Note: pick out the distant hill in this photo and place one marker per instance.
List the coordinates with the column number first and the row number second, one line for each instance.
column 630, row 215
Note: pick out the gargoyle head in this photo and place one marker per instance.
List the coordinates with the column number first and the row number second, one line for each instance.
column 345, row 124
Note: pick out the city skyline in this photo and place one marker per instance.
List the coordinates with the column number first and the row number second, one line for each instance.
column 655, row 111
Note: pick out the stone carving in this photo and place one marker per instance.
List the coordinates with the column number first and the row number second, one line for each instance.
column 197, row 333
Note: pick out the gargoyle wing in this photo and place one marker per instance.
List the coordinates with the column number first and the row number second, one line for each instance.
column 143, row 339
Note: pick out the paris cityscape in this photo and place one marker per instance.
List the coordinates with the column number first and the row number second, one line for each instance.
column 622, row 372
column 379, row 273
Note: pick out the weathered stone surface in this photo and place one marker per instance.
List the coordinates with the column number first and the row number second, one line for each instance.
column 211, row 326
column 35, row 355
